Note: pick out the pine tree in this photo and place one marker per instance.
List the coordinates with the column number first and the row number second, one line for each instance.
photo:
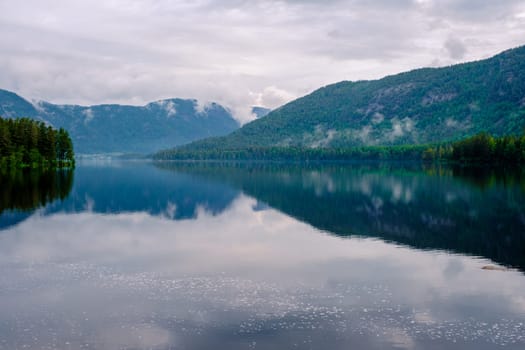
column 5, row 139
column 25, row 142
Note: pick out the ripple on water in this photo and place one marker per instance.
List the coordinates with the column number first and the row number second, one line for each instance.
column 193, row 305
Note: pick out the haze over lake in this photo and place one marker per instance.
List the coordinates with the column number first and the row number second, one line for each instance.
column 264, row 256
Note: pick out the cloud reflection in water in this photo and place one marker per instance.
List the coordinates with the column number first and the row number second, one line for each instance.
column 241, row 277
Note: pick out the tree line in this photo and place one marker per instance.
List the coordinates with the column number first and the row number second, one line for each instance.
column 484, row 148
column 481, row 148
column 26, row 143
column 407, row 152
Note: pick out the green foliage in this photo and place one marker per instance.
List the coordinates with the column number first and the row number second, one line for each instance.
column 406, row 152
column 481, row 148
column 424, row 106
column 484, row 148
column 28, row 143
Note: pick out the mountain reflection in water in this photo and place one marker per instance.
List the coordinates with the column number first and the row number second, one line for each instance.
column 474, row 211
column 265, row 256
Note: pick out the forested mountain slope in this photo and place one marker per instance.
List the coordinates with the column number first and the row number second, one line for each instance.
column 417, row 107
column 119, row 128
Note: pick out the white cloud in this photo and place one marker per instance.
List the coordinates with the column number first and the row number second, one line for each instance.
column 320, row 137
column 169, row 106
column 272, row 97
column 451, row 123
column 401, row 128
column 364, row 133
column 234, row 52
column 397, row 129
column 377, row 118
column 88, row 114
column 201, row 106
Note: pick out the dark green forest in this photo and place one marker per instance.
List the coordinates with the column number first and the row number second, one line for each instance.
column 482, row 148
column 26, row 143
column 409, row 152
column 486, row 149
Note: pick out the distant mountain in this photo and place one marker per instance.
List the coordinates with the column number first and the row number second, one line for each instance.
column 421, row 106
column 260, row 112
column 118, row 128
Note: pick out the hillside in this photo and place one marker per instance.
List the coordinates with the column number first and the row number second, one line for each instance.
column 118, row 128
column 417, row 107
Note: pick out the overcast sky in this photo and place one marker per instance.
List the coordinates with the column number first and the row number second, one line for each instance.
column 238, row 53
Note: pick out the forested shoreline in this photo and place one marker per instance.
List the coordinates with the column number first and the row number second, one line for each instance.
column 481, row 149
column 26, row 143
column 484, row 148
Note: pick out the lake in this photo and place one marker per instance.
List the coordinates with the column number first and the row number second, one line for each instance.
column 137, row 255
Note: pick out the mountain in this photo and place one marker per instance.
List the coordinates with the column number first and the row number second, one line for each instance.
column 417, row 107
column 260, row 112
column 119, row 128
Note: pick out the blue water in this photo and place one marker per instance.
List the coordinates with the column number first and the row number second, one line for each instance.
column 136, row 255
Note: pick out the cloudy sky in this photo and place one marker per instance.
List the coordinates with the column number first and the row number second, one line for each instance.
column 238, row 53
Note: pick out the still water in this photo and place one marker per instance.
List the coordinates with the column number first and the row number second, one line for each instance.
column 134, row 255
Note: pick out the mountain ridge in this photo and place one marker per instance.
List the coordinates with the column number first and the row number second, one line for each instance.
column 114, row 128
column 425, row 105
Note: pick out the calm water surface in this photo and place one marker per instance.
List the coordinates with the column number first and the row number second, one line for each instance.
column 130, row 255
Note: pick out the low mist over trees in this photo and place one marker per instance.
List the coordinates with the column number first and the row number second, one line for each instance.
column 482, row 148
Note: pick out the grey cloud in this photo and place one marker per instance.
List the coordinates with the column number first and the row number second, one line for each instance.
column 238, row 53
column 475, row 10
column 273, row 97
column 456, row 49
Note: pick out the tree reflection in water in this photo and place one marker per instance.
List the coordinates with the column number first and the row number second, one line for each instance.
column 26, row 190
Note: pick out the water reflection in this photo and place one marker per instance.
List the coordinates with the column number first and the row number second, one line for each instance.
column 459, row 209
column 250, row 256
column 138, row 187
column 24, row 191
column 241, row 279
column 488, row 177
column 113, row 187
